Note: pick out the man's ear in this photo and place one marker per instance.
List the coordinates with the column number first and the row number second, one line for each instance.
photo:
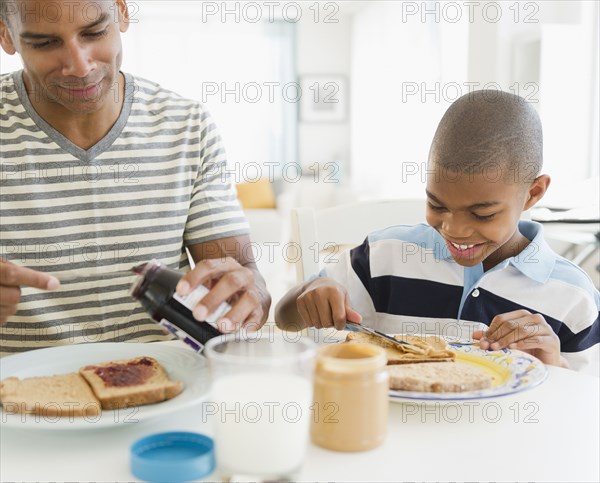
column 123, row 15
column 6, row 40
column 536, row 191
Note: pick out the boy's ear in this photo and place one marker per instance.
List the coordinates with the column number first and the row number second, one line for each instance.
column 6, row 39
column 536, row 191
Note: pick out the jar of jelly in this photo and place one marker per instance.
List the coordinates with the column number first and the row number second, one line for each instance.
column 155, row 290
column 350, row 410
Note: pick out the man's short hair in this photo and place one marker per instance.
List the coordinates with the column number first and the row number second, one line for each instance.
column 6, row 7
column 490, row 130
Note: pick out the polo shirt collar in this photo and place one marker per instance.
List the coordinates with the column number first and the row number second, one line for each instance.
column 537, row 260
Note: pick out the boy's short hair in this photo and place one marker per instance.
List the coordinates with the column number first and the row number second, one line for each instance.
column 490, row 132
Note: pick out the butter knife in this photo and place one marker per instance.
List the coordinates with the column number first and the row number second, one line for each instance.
column 354, row 327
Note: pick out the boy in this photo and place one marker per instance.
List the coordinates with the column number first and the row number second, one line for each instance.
column 474, row 262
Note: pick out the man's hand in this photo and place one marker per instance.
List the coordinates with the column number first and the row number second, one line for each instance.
column 12, row 277
column 524, row 331
column 227, row 281
column 325, row 303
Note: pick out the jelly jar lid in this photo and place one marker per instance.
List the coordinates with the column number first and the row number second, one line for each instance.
column 174, row 457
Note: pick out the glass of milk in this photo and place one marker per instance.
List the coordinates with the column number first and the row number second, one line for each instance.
column 260, row 405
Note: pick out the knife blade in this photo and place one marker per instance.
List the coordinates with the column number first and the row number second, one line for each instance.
column 403, row 344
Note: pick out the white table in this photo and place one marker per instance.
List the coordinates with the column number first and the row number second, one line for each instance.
column 574, row 235
column 548, row 433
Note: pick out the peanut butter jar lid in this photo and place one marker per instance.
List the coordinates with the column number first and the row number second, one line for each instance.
column 174, row 457
column 351, row 357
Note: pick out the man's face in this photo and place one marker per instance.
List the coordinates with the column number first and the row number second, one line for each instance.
column 476, row 214
column 71, row 51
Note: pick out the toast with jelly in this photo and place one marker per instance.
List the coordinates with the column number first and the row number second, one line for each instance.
column 132, row 382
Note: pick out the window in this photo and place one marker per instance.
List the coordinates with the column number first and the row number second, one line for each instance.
column 242, row 72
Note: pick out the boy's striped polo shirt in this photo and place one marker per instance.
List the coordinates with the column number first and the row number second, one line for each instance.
column 403, row 279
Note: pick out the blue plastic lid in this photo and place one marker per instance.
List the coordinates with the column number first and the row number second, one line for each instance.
column 173, row 457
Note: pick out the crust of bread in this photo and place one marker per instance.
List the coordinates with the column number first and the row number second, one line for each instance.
column 156, row 388
column 62, row 395
column 435, row 348
column 438, row 377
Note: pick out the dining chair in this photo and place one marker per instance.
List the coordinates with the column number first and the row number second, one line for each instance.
column 320, row 235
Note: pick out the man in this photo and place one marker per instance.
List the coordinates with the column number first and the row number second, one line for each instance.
column 102, row 171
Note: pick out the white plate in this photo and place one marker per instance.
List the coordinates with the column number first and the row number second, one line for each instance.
column 181, row 364
column 513, row 371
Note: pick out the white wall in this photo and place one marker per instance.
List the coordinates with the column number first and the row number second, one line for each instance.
column 409, row 61
column 405, row 73
column 323, row 56
column 236, row 67
column 547, row 52
column 323, row 49
column 9, row 63
column 403, row 70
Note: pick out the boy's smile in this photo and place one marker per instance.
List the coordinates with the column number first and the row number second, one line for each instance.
column 464, row 250
column 477, row 216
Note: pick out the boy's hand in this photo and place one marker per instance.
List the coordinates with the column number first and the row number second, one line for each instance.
column 524, row 331
column 325, row 303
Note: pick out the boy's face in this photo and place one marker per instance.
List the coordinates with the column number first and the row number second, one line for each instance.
column 71, row 51
column 477, row 216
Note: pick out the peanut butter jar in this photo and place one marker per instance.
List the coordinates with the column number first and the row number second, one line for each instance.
column 350, row 409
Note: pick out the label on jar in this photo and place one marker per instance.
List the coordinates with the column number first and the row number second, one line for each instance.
column 181, row 335
column 191, row 300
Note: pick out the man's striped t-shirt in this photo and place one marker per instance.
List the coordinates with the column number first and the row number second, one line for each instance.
column 156, row 183
column 404, row 280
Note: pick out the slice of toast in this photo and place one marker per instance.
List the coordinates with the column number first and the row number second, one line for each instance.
column 131, row 382
column 63, row 395
column 438, row 377
column 435, row 349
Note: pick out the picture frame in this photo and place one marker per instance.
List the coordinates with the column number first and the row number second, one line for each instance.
column 324, row 98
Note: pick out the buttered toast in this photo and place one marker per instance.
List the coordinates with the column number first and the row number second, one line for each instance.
column 62, row 395
column 433, row 370
column 132, row 382
column 434, row 349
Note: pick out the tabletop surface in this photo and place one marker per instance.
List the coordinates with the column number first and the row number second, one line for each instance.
column 547, row 433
